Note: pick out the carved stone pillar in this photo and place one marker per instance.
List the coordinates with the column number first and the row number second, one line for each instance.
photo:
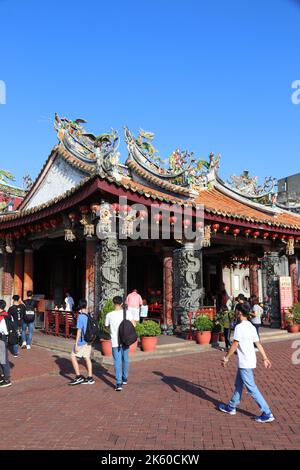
column 188, row 289
column 271, row 265
column 112, row 276
column 253, row 270
column 168, row 289
column 7, row 286
column 18, row 274
column 28, row 271
column 90, row 273
column 294, row 277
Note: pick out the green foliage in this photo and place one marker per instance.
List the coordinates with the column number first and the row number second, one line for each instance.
column 217, row 323
column 148, row 328
column 203, row 323
column 294, row 315
column 108, row 307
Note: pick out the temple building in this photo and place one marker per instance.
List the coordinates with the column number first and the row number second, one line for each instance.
column 73, row 230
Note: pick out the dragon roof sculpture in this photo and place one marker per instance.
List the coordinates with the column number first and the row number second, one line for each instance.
column 180, row 168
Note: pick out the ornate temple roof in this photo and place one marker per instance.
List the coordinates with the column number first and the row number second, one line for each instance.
column 82, row 163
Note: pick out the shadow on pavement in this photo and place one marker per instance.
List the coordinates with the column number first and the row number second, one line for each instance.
column 198, row 390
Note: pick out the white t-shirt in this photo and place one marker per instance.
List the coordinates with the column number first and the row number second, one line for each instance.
column 113, row 320
column 69, row 304
column 245, row 333
column 259, row 311
column 3, row 327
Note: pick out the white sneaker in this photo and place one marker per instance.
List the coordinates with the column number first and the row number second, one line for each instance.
column 23, row 345
column 28, row 346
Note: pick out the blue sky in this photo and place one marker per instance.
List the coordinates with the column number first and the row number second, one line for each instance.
column 204, row 75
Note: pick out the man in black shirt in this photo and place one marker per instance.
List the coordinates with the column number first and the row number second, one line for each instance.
column 28, row 320
column 16, row 312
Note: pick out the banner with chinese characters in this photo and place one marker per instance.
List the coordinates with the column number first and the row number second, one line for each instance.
column 286, row 296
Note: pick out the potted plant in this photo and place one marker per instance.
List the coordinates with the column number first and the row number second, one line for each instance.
column 148, row 331
column 292, row 319
column 203, row 327
column 217, row 327
column 105, row 341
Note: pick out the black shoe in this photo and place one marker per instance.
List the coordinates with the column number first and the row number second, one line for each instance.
column 1, row 378
column 5, row 383
column 78, row 380
column 88, row 380
column 118, row 388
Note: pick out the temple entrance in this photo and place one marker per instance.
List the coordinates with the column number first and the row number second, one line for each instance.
column 59, row 267
column 145, row 273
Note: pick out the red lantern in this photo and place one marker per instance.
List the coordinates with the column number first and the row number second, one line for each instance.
column 256, row 234
column 125, row 209
column 84, row 210
column 282, row 237
column 226, row 229
column 265, row 235
column 248, row 232
column 46, row 225
column 186, row 223
column 291, row 237
column 274, row 236
column 235, row 232
column 297, row 239
column 142, row 215
column 116, row 207
column 158, row 218
column 54, row 223
column 199, row 225
column 173, row 220
column 215, row 227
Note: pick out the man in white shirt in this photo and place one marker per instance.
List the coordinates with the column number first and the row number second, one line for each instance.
column 120, row 354
column 4, row 362
column 69, row 301
column 245, row 337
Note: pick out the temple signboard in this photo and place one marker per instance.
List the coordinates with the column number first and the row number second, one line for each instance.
column 286, row 296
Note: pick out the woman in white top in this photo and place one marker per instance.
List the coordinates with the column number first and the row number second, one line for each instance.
column 144, row 310
column 256, row 314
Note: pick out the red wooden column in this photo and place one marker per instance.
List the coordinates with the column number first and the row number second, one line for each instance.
column 253, row 268
column 28, row 271
column 18, row 275
column 294, row 277
column 168, row 286
column 90, row 272
column 7, row 286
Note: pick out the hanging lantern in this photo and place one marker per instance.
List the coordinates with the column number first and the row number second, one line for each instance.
column 282, row 237
column 247, row 232
column 200, row 225
column 226, row 229
column 173, row 220
column 115, row 207
column 297, row 239
column 235, row 232
column 53, row 223
column 265, row 235
column 125, row 209
column 274, row 236
column 95, row 207
column 215, row 227
column 84, row 210
column 186, row 223
column 158, row 218
column 72, row 217
column 142, row 215
column 46, row 225
column 256, row 234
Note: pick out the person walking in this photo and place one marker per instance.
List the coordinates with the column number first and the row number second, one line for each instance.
column 81, row 349
column 28, row 320
column 120, row 353
column 134, row 303
column 17, row 312
column 245, row 336
column 4, row 362
column 228, row 314
column 256, row 314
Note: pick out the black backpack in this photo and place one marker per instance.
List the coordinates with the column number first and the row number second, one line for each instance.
column 29, row 315
column 12, row 329
column 92, row 329
column 127, row 333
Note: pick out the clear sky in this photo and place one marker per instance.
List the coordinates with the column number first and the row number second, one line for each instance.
column 204, row 75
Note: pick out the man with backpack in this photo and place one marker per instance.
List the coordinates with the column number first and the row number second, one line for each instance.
column 28, row 320
column 122, row 333
column 4, row 334
column 17, row 312
column 87, row 331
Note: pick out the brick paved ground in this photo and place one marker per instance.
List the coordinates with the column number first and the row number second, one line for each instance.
column 168, row 404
